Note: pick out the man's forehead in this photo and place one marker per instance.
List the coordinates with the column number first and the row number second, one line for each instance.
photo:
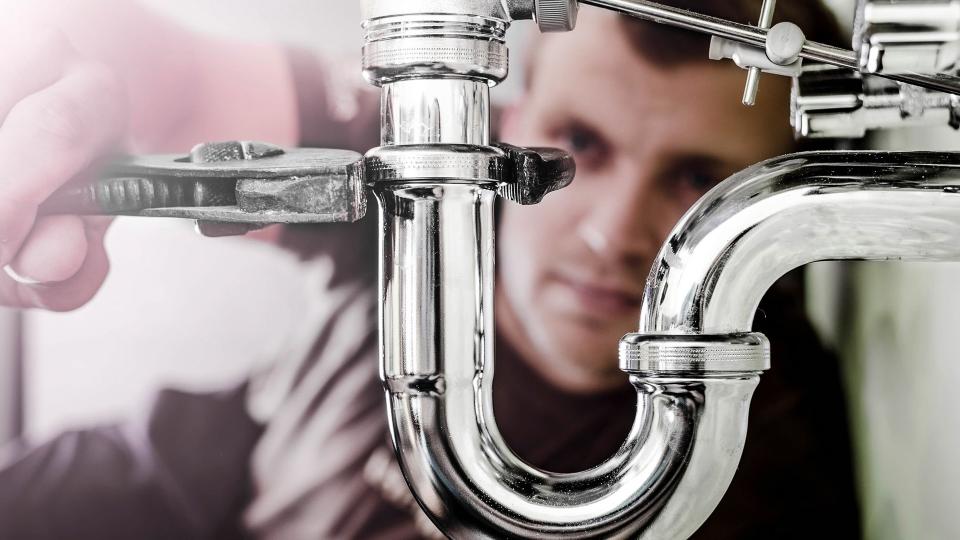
column 598, row 56
column 598, row 70
column 595, row 75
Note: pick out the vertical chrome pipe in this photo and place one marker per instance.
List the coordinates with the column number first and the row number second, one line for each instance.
column 435, row 111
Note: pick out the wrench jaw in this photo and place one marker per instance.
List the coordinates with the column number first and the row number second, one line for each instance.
column 257, row 184
column 228, row 187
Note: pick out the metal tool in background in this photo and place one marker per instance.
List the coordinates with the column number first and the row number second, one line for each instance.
column 897, row 37
column 829, row 102
column 758, row 37
column 892, row 38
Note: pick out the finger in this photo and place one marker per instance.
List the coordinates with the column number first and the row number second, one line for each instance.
column 66, row 295
column 31, row 59
column 54, row 251
column 47, row 139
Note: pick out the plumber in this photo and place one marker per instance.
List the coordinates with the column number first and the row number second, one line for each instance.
column 301, row 450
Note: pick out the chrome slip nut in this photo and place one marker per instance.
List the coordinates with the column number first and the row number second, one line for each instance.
column 436, row 162
column 434, row 45
column 694, row 353
column 522, row 175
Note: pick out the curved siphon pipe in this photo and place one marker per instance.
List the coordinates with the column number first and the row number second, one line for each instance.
column 691, row 418
column 437, row 365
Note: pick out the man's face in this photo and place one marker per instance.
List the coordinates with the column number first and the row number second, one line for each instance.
column 648, row 141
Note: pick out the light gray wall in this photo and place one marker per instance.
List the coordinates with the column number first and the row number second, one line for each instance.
column 903, row 367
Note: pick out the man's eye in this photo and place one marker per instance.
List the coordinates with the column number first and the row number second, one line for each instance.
column 686, row 185
column 701, row 181
column 581, row 140
column 586, row 146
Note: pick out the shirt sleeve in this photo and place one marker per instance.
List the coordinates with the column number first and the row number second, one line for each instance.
column 181, row 473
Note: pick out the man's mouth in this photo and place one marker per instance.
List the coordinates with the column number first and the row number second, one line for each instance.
column 599, row 298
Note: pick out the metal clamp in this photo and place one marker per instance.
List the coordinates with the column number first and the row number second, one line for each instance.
column 895, row 37
column 780, row 54
column 829, row 102
column 523, row 175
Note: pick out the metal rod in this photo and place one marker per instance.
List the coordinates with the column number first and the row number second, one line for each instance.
column 753, row 74
column 751, row 35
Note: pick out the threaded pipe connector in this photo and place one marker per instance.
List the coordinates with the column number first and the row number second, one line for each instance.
column 697, row 353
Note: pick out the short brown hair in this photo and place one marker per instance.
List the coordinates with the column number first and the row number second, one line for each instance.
column 685, row 46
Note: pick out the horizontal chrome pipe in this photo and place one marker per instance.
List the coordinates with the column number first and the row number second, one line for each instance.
column 793, row 210
column 752, row 35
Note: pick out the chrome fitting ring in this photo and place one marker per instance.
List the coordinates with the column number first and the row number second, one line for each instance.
column 434, row 45
column 430, row 162
column 704, row 354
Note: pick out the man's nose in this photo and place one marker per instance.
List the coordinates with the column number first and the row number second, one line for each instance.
column 624, row 226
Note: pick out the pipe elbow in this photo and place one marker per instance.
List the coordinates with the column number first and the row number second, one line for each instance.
column 790, row 211
column 664, row 481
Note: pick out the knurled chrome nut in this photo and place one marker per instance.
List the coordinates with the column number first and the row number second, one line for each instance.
column 673, row 354
column 556, row 15
column 434, row 46
column 424, row 162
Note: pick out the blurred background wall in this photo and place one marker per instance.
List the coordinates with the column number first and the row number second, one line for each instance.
column 198, row 313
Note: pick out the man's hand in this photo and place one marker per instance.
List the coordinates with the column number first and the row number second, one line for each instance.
column 82, row 80
column 59, row 114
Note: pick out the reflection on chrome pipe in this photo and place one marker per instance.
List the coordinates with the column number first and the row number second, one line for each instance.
column 793, row 210
column 437, row 365
column 433, row 111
